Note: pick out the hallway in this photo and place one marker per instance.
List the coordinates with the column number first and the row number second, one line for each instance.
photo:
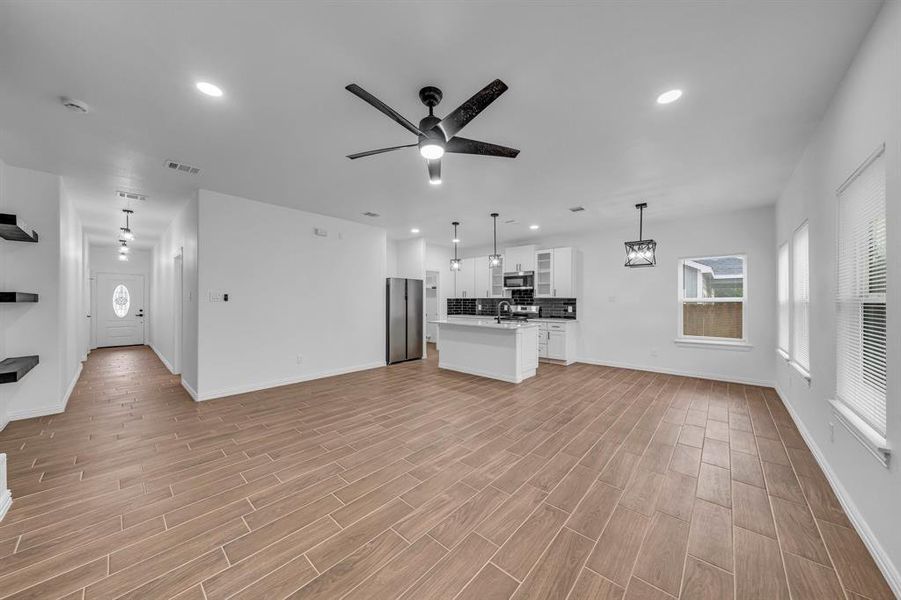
column 592, row 480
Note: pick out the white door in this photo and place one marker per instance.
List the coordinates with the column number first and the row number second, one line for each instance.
column 120, row 309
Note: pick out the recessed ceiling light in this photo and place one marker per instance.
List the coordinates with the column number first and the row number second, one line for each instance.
column 209, row 89
column 670, row 96
column 533, row 226
column 414, row 230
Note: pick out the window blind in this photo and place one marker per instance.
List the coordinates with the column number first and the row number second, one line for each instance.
column 800, row 298
column 784, row 307
column 861, row 295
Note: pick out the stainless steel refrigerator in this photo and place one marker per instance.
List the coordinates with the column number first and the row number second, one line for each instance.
column 404, row 327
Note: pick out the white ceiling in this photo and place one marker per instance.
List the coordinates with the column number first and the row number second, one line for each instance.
column 581, row 106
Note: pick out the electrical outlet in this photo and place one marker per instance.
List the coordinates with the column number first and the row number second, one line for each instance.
column 611, row 299
column 654, row 352
column 300, row 359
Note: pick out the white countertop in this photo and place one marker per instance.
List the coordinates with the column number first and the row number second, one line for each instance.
column 486, row 322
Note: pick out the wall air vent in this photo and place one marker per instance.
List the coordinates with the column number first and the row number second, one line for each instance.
column 510, row 221
column 177, row 166
column 577, row 209
column 370, row 214
column 130, row 196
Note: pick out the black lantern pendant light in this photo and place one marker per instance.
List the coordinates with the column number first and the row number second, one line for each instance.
column 455, row 263
column 641, row 253
column 495, row 259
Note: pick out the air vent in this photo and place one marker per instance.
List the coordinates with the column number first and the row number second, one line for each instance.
column 130, row 196
column 370, row 214
column 177, row 166
column 510, row 221
column 577, row 209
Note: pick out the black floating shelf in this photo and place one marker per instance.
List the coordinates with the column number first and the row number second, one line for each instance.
column 13, row 228
column 18, row 297
column 14, row 369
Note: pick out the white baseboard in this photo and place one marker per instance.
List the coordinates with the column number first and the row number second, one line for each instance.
column 482, row 373
column 191, row 391
column 4, row 421
column 889, row 571
column 162, row 358
column 680, row 372
column 253, row 387
column 6, row 498
column 43, row 411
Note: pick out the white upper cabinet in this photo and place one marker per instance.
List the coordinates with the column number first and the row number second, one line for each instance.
column 482, row 277
column 556, row 273
column 466, row 279
column 520, row 258
column 496, row 280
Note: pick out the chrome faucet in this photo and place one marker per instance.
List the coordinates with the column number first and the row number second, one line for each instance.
column 499, row 304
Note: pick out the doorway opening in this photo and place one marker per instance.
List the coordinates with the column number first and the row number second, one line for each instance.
column 177, row 311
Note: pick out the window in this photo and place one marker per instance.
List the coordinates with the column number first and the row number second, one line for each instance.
column 784, row 314
column 712, row 295
column 121, row 301
column 861, row 295
column 800, row 299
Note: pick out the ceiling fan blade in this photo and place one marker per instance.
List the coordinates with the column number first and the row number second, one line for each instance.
column 358, row 91
column 379, row 151
column 466, row 112
column 435, row 170
column 466, row 146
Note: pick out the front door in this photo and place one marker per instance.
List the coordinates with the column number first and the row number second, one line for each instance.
column 120, row 309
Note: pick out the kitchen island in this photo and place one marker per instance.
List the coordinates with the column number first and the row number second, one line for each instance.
column 507, row 351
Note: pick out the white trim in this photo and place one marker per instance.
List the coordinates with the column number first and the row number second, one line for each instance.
column 713, row 343
column 6, row 498
column 891, row 574
column 4, row 422
column 869, row 438
column 163, row 359
column 783, row 354
column 800, row 370
column 54, row 409
column 191, row 391
column 253, row 387
column 680, row 372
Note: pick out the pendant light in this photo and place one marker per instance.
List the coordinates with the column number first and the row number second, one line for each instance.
column 123, row 250
column 641, row 253
column 125, row 232
column 455, row 263
column 495, row 259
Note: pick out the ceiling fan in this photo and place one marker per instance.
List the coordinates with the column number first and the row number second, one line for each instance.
column 436, row 135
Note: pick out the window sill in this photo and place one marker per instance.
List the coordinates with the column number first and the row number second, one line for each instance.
column 804, row 373
column 783, row 354
column 713, row 344
column 872, row 440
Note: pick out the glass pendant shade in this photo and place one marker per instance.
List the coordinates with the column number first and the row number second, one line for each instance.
column 641, row 253
column 455, row 264
column 494, row 260
column 126, row 233
column 123, row 257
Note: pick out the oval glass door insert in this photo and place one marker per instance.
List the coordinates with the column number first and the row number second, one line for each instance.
column 121, row 301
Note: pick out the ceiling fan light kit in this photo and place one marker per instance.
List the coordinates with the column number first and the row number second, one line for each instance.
column 437, row 136
column 641, row 253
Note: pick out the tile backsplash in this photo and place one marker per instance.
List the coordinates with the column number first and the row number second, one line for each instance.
column 549, row 307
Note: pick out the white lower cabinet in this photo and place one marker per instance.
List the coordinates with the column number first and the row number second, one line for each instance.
column 557, row 341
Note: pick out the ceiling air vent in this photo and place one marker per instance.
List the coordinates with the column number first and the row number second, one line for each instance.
column 177, row 166
column 130, row 196
column 370, row 214
column 577, row 209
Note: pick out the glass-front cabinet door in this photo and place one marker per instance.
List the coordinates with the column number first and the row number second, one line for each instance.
column 496, row 279
column 544, row 270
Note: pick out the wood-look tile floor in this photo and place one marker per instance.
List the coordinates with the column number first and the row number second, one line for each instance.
column 410, row 482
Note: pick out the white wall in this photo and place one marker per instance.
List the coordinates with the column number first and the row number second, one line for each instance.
column 437, row 258
column 179, row 239
column 290, row 293
column 626, row 316
column 53, row 328
column 864, row 113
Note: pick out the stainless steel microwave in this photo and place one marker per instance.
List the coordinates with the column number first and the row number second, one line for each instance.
column 522, row 280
